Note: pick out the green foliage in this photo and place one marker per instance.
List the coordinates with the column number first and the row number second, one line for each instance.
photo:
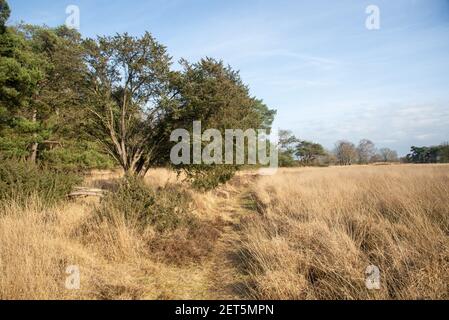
column 434, row 154
column 286, row 160
column 286, row 146
column 20, row 71
column 141, row 206
column 41, row 75
column 309, row 151
column 128, row 78
column 5, row 12
column 208, row 177
column 19, row 181
column 77, row 157
column 13, row 146
column 444, row 152
column 62, row 96
column 210, row 92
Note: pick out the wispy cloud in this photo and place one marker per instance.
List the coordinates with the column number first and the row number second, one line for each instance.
column 394, row 126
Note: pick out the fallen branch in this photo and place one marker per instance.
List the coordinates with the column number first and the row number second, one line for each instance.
column 81, row 192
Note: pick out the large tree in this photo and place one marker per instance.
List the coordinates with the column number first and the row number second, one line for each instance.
column 213, row 93
column 4, row 14
column 20, row 74
column 287, row 148
column 61, row 89
column 388, row 155
column 41, row 71
column 309, row 152
column 434, row 154
column 366, row 150
column 346, row 153
column 128, row 79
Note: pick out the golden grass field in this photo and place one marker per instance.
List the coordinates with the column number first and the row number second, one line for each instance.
column 307, row 233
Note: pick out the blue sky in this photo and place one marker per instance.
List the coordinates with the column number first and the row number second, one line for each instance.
column 328, row 76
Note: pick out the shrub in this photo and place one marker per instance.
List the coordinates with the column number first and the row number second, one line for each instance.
column 187, row 245
column 20, row 181
column 141, row 206
column 205, row 178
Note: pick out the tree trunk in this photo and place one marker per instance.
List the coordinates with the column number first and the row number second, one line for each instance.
column 35, row 145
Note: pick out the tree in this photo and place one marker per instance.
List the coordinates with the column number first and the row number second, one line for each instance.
column 20, row 74
column 346, row 153
column 5, row 12
column 59, row 92
column 43, row 85
column 434, row 154
column 264, row 115
column 287, row 148
column 309, row 151
column 42, row 76
column 366, row 151
column 210, row 92
column 444, row 152
column 388, row 155
column 128, row 80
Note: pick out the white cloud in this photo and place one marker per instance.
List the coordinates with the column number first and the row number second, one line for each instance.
column 395, row 126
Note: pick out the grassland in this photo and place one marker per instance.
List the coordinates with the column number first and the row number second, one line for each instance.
column 304, row 233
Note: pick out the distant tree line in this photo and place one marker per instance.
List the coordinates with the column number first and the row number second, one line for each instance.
column 297, row 152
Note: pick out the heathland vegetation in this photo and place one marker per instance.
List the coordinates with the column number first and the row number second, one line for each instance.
column 93, row 118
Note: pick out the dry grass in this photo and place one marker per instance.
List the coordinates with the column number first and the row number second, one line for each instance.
column 306, row 234
column 116, row 260
column 319, row 229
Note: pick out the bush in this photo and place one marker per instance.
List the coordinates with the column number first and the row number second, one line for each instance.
column 20, row 181
column 204, row 177
column 141, row 206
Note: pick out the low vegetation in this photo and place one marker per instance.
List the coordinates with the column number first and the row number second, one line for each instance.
column 70, row 105
column 21, row 181
column 319, row 229
column 141, row 206
column 307, row 233
column 139, row 242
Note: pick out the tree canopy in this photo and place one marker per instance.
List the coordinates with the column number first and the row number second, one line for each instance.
column 434, row 154
column 128, row 80
column 5, row 12
column 309, row 151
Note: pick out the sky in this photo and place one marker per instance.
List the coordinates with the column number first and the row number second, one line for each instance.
column 315, row 62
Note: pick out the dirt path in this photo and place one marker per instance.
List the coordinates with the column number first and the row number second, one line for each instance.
column 219, row 275
column 226, row 280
